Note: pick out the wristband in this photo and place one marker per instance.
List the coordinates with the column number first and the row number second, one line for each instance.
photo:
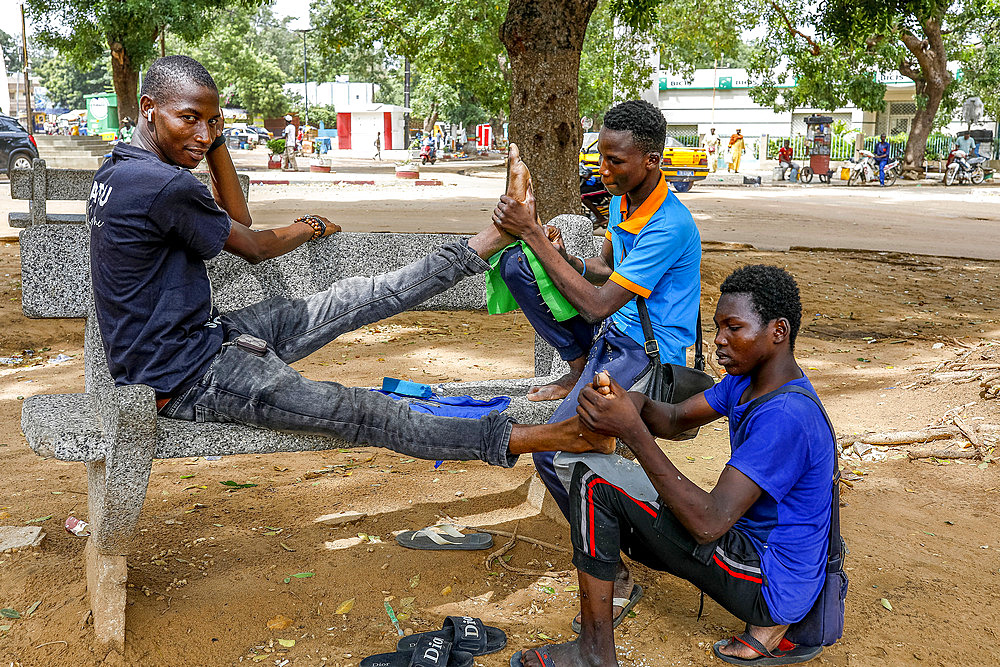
column 219, row 140
column 584, row 263
column 319, row 227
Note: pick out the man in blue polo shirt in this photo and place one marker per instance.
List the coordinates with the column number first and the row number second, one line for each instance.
column 652, row 249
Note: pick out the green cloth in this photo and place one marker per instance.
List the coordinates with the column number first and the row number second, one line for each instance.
column 500, row 300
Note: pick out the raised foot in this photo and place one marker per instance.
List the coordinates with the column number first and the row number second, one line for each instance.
column 566, row 655
column 518, row 176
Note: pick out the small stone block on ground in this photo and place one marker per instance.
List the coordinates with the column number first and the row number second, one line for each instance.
column 20, row 537
column 431, row 181
column 339, row 518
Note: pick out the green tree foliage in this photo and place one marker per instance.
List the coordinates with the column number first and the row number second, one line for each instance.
column 67, row 85
column 239, row 56
column 13, row 56
column 84, row 30
column 835, row 50
column 981, row 61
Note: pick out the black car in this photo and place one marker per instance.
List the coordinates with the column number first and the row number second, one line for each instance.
column 17, row 147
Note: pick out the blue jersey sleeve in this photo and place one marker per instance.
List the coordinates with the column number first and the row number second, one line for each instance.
column 184, row 210
column 657, row 248
column 718, row 395
column 775, row 454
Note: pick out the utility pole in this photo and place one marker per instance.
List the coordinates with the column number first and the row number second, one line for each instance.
column 27, row 81
column 305, row 72
column 406, row 103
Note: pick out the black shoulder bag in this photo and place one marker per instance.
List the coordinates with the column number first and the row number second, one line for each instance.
column 672, row 383
column 824, row 624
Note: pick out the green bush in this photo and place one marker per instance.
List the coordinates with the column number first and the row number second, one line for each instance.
column 276, row 146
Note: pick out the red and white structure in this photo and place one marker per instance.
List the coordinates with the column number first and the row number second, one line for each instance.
column 357, row 127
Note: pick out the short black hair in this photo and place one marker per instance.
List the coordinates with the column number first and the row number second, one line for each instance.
column 167, row 74
column 773, row 294
column 643, row 120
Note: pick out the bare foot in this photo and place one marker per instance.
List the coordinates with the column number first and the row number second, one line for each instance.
column 770, row 637
column 519, row 178
column 571, row 654
column 566, row 436
column 556, row 391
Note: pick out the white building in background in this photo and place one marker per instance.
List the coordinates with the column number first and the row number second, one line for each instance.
column 720, row 98
column 335, row 93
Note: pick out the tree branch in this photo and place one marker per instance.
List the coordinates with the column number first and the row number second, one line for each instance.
column 814, row 47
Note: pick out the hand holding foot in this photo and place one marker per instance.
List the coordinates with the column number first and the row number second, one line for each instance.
column 605, row 407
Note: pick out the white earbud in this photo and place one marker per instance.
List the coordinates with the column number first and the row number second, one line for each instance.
column 149, row 115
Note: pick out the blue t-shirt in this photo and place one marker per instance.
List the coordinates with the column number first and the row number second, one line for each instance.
column 152, row 226
column 789, row 454
column 657, row 255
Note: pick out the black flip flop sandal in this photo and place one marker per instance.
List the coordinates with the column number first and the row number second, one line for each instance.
column 429, row 652
column 542, row 653
column 465, row 634
column 444, row 538
column 787, row 653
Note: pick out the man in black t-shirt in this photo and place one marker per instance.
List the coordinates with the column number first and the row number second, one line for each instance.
column 153, row 225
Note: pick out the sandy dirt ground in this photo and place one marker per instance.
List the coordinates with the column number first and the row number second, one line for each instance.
column 212, row 565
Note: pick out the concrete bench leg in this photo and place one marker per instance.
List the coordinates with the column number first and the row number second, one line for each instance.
column 106, row 576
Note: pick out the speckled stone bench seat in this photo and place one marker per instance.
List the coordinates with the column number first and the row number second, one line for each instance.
column 116, row 431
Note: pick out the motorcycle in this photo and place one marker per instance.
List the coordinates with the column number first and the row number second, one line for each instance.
column 428, row 154
column 594, row 196
column 964, row 168
column 865, row 170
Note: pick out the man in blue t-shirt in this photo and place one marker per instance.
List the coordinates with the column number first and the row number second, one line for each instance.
column 757, row 543
column 153, row 226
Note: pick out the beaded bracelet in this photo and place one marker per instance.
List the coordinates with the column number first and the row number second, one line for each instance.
column 319, row 227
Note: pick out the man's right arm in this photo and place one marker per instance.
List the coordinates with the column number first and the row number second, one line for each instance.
column 257, row 246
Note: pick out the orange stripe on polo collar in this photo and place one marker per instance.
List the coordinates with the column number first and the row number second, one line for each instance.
column 634, row 223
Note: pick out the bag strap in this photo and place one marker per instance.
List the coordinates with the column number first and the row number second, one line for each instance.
column 835, row 547
column 653, row 348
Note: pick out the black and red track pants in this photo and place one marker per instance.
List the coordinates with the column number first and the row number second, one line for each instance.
column 605, row 521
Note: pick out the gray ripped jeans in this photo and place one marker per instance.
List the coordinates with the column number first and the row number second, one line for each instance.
column 265, row 391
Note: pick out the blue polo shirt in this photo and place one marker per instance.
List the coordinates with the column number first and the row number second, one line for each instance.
column 657, row 255
column 152, row 226
column 788, row 451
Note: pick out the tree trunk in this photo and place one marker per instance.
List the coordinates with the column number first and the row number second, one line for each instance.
column 431, row 119
column 543, row 39
column 126, row 81
column 931, row 80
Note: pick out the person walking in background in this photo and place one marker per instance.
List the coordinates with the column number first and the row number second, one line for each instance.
column 736, row 150
column 288, row 157
column 712, row 143
column 785, row 162
column 882, row 158
column 378, row 147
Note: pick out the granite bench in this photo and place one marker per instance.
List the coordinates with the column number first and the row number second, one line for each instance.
column 116, row 431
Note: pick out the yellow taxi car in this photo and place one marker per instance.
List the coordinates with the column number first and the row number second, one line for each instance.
column 681, row 165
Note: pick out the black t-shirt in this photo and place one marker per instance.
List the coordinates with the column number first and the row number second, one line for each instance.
column 152, row 226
